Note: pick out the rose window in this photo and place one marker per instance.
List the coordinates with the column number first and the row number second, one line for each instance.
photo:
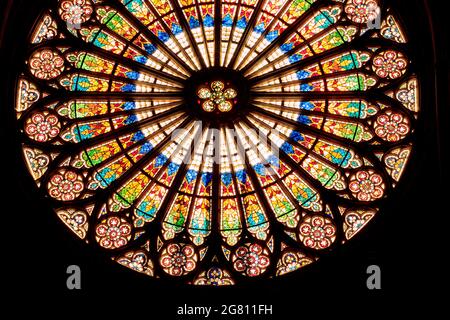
column 217, row 141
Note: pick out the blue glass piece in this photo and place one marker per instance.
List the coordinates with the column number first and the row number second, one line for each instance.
column 208, row 21
column 133, row 75
column 306, row 87
column 193, row 23
column 146, row 148
column 141, row 59
column 304, row 120
column 176, row 29
column 241, row 175
column 226, row 178
column 227, row 21
column 272, row 35
column 150, row 48
column 131, row 119
column 163, row 36
column 160, row 160
column 302, row 74
column 206, row 178
column 274, row 161
column 286, row 47
column 138, row 136
column 294, row 58
column 191, row 175
column 260, row 169
column 172, row 168
column 260, row 28
column 287, row 148
column 306, row 105
column 297, row 136
column 129, row 88
column 242, row 23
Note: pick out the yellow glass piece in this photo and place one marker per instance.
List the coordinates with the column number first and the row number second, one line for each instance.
column 225, row 106
column 204, row 93
column 217, row 86
column 230, row 94
column 209, row 106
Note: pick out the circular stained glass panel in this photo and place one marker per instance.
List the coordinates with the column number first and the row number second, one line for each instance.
column 216, row 141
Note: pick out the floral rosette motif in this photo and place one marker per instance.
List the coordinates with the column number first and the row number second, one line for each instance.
column 43, row 127
column 392, row 126
column 390, row 64
column 65, row 185
column 362, row 11
column 366, row 185
column 317, row 232
column 76, row 12
column 46, row 64
column 113, row 233
column 251, row 260
column 177, row 260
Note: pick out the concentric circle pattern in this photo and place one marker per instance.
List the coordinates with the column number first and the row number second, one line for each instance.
column 217, row 141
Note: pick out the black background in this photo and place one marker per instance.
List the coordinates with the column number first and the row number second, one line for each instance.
column 402, row 240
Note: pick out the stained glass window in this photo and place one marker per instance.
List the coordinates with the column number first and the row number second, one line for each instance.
column 215, row 141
